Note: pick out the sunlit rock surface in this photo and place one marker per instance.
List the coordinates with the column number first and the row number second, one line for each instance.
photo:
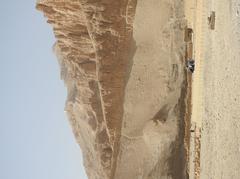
column 122, row 64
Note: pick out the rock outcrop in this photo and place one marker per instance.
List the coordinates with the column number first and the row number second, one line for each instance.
column 93, row 39
column 125, row 97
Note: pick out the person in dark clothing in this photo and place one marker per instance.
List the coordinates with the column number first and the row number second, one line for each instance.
column 190, row 65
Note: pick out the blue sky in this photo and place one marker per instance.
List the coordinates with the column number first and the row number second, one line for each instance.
column 36, row 139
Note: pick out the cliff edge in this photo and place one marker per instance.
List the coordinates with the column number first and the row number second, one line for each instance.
column 123, row 65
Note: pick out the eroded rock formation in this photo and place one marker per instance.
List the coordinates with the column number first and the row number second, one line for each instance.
column 125, row 96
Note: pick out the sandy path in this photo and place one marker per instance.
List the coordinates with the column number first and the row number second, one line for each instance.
column 194, row 12
column 199, row 26
column 199, row 40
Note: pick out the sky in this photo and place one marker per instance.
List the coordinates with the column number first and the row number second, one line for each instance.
column 36, row 138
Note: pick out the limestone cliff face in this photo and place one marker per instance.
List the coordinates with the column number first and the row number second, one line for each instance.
column 93, row 38
column 116, row 113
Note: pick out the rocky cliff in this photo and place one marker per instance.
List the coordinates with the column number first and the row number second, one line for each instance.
column 122, row 63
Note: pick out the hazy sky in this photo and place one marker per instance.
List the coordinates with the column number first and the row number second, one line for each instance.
column 36, row 139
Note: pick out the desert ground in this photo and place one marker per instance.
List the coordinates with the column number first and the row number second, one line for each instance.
column 220, row 152
column 216, row 88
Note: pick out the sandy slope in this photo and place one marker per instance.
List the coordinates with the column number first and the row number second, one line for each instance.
column 152, row 91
